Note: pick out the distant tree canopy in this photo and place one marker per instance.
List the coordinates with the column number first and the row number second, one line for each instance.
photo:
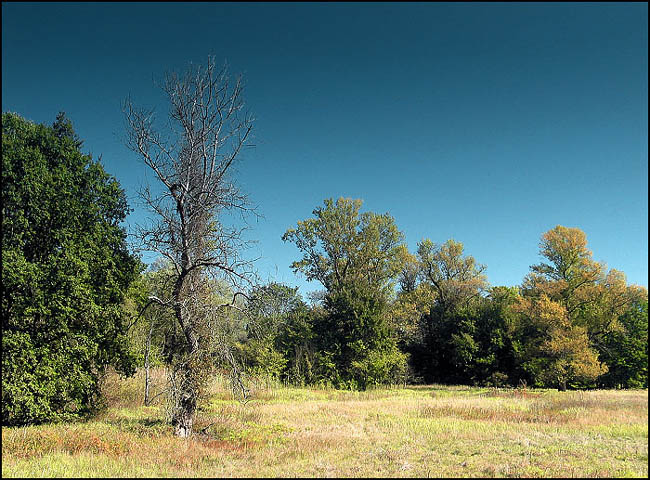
column 341, row 246
column 65, row 269
column 625, row 350
column 570, row 324
column 448, row 349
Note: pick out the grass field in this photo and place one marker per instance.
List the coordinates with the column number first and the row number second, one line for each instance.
column 424, row 431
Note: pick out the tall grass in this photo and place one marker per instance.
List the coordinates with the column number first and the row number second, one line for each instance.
column 396, row 432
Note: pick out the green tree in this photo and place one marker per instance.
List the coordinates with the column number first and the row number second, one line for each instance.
column 456, row 282
column 626, row 350
column 493, row 361
column 268, row 306
column 342, row 246
column 456, row 278
column 407, row 312
column 65, row 270
column 296, row 341
column 153, row 335
column 268, row 309
column 357, row 257
column 355, row 336
column 468, row 345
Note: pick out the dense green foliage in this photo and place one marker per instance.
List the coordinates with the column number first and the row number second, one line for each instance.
column 65, row 268
column 355, row 337
column 626, row 350
column 469, row 344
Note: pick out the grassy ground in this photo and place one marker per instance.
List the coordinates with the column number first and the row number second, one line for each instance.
column 428, row 431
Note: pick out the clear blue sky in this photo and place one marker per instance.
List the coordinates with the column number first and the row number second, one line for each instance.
column 486, row 123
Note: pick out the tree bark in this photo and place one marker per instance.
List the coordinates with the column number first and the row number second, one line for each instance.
column 185, row 403
column 146, row 366
column 184, row 419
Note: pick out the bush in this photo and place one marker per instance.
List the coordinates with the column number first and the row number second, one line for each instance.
column 261, row 359
column 497, row 380
column 379, row 367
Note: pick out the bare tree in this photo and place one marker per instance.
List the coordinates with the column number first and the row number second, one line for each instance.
column 192, row 158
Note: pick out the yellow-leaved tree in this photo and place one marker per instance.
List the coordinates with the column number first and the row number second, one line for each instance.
column 569, row 303
column 555, row 351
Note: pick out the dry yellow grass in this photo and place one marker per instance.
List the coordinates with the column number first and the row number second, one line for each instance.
column 407, row 432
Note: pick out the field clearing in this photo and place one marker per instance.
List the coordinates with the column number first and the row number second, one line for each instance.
column 417, row 431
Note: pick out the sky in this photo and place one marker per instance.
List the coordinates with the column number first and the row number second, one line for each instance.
column 487, row 123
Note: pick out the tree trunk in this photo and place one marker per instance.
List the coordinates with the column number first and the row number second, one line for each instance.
column 184, row 418
column 146, row 366
column 185, row 401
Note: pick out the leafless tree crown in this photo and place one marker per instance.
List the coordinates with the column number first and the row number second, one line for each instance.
column 193, row 158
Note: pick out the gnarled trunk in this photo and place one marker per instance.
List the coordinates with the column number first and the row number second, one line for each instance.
column 184, row 397
column 185, row 382
column 183, row 418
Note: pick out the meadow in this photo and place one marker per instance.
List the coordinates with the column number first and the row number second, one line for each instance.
column 413, row 431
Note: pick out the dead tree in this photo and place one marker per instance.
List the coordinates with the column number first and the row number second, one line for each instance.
column 192, row 158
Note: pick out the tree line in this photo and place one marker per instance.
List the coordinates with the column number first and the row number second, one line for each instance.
column 76, row 298
column 390, row 316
